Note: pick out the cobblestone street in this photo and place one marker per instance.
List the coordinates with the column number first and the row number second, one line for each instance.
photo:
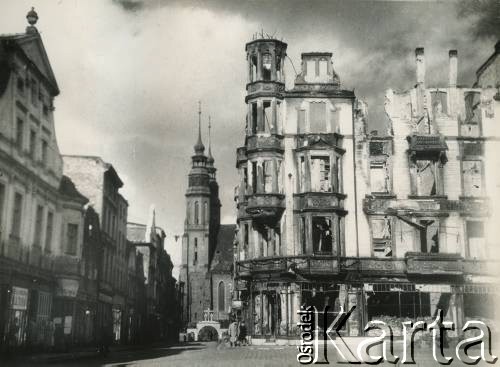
column 206, row 355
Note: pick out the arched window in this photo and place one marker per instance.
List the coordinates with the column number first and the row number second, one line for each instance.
column 196, row 213
column 195, row 257
column 222, row 297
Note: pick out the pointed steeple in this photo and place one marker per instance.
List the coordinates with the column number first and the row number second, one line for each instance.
column 199, row 148
column 211, row 159
column 151, row 226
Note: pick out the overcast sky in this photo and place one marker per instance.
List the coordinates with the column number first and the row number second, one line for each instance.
column 131, row 73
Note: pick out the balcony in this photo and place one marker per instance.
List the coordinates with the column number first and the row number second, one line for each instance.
column 418, row 263
column 259, row 143
column 265, row 206
column 241, row 155
column 310, row 201
column 265, row 88
column 290, row 266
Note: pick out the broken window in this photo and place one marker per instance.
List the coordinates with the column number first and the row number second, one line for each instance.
column 323, row 68
column 301, row 123
column 470, row 127
column 254, row 177
column 322, row 235
column 379, row 177
column 267, row 61
column 429, row 235
column 476, row 240
column 268, row 176
column 426, row 178
column 254, row 118
column 279, row 123
column 473, row 148
column 317, row 117
column 320, row 174
column 381, row 237
column 268, row 118
column 473, row 178
column 253, row 69
column 439, row 103
column 311, row 68
column 303, row 234
column 376, row 148
column 302, row 178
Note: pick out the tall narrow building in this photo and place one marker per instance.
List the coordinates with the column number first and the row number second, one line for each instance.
column 206, row 245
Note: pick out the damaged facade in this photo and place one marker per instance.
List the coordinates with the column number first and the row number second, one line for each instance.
column 397, row 225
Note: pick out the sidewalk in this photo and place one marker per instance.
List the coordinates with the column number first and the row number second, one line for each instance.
column 78, row 353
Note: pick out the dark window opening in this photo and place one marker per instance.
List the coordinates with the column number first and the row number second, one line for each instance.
column 221, row 297
column 322, row 235
column 254, row 177
column 254, row 118
column 38, row 226
column 377, row 148
column 17, row 215
column 473, row 148
column 429, row 235
column 195, row 257
column 303, row 234
column 32, row 143
column 45, row 147
column 472, row 177
column 19, row 133
column 470, row 126
column 71, row 238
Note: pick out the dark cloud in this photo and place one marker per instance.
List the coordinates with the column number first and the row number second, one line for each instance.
column 485, row 15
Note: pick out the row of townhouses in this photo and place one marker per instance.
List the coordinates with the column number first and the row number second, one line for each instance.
column 72, row 270
column 399, row 224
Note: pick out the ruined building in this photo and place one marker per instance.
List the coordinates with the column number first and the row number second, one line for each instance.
column 296, row 189
column 207, row 246
column 397, row 225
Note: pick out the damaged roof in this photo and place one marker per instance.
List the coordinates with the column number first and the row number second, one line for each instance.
column 222, row 260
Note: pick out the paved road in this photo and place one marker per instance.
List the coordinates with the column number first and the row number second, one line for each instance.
column 205, row 355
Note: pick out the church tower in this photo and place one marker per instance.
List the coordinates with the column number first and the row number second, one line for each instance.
column 214, row 223
column 196, row 246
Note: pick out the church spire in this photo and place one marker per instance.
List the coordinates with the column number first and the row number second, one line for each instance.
column 199, row 148
column 210, row 157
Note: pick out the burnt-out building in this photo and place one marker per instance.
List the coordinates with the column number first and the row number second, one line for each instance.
column 429, row 190
column 399, row 224
column 296, row 197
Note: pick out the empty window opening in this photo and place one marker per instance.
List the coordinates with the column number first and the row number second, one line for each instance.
column 254, row 177
column 32, row 143
column 323, row 68
column 45, row 152
column 317, row 114
column 302, row 174
column 472, row 176
column 322, row 235
column 429, row 235
column 17, row 215
column 320, row 174
column 379, row 177
column 267, row 61
column 268, row 176
column 381, row 237
column 254, row 118
column 253, row 69
column 311, row 68
column 279, row 74
column 377, row 148
column 426, row 178
column 439, row 103
column 470, row 127
column 19, row 133
column 303, row 234
column 267, row 117
column 301, row 123
column 476, row 240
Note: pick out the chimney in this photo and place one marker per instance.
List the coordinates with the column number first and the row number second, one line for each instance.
column 452, row 76
column 420, row 60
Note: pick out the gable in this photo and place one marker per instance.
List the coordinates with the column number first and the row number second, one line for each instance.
column 33, row 48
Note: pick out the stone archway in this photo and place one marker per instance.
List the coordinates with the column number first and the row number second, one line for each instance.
column 208, row 333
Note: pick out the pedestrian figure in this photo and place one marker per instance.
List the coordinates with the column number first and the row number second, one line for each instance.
column 242, row 335
column 233, row 333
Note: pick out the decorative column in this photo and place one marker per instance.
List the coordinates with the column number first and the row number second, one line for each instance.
column 275, row 175
column 260, row 177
